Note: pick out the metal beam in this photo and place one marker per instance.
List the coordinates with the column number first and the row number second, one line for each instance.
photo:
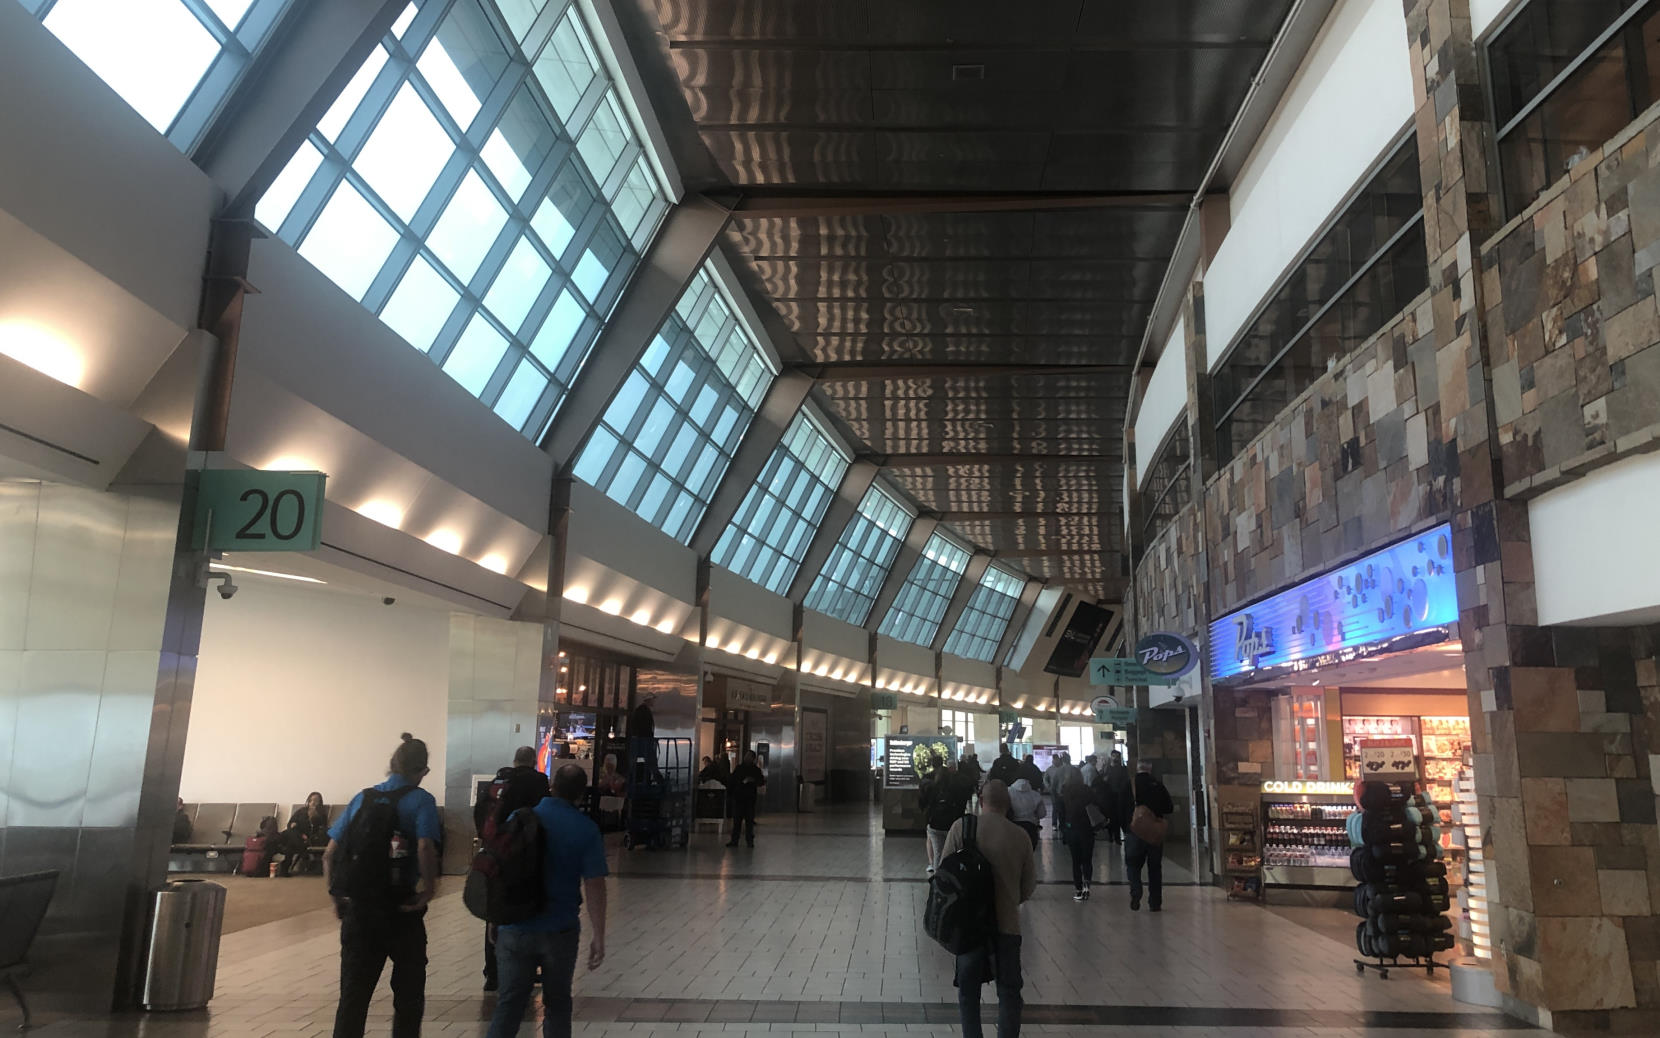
column 689, row 232
column 939, row 461
column 316, row 50
column 1053, row 553
column 916, row 538
column 967, row 516
column 1017, row 622
column 766, row 202
column 778, row 409
column 966, row 585
column 861, row 371
column 844, row 506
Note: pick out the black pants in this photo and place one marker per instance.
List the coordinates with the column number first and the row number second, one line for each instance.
column 1138, row 852
column 368, row 937
column 1004, row 967
column 1080, row 840
column 743, row 817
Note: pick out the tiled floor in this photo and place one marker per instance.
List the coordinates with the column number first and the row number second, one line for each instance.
column 817, row 929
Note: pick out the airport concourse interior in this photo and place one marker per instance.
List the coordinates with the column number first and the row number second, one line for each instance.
column 926, row 517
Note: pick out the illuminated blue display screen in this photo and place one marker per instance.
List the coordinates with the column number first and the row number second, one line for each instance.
column 1403, row 589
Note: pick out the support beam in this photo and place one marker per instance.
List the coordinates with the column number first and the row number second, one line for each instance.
column 916, row 538
column 763, row 202
column 689, row 232
column 966, row 586
column 1017, row 622
column 290, row 86
column 1050, row 553
column 859, row 371
column 964, row 458
column 778, row 409
column 972, row 516
column 843, row 508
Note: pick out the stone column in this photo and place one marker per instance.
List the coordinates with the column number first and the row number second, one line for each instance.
column 1559, row 717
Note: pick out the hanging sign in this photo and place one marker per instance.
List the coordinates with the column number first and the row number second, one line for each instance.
column 1118, row 716
column 1166, row 654
column 1120, row 673
column 1407, row 588
column 884, row 701
column 255, row 510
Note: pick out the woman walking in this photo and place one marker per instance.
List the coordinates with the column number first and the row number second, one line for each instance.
column 1078, row 821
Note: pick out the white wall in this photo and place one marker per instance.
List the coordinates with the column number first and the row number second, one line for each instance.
column 302, row 687
column 1165, row 400
column 1595, row 556
column 1350, row 99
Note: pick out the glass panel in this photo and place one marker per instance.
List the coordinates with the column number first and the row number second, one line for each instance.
column 921, row 603
column 778, row 512
column 284, row 191
column 420, row 306
column 468, row 227
column 475, row 356
column 598, row 259
column 230, row 11
column 986, row 617
column 151, row 52
column 520, row 15
column 521, row 280
column 522, row 392
column 405, row 153
column 603, row 140
column 566, row 67
column 564, row 209
column 349, row 241
column 519, row 144
column 334, row 120
column 852, row 576
column 463, row 61
column 561, row 326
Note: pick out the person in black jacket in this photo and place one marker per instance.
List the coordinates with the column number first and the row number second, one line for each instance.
column 1117, row 797
column 946, row 802
column 520, row 785
column 1151, row 794
column 1078, row 830
column 1005, row 768
column 307, row 834
column 745, row 784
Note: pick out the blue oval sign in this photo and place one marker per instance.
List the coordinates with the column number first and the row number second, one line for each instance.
column 1166, row 654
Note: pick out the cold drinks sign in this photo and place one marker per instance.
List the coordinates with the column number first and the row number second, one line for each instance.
column 1405, row 589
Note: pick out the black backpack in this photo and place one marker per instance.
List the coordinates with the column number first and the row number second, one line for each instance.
column 378, row 861
column 961, row 913
column 504, row 885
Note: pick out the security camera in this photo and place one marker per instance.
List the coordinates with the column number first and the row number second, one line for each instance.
column 388, row 600
column 227, row 590
column 206, row 575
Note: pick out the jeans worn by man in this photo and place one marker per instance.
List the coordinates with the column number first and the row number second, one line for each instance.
column 1014, row 878
column 574, row 863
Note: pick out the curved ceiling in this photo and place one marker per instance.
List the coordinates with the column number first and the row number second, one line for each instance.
column 962, row 210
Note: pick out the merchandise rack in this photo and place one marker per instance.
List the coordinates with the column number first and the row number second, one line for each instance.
column 1383, row 966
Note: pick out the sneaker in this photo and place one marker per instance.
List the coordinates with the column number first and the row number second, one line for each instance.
column 1086, row 893
column 1155, row 908
column 1078, row 895
column 1135, row 906
column 930, row 870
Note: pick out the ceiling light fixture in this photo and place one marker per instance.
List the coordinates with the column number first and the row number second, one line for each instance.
column 268, row 573
column 35, row 347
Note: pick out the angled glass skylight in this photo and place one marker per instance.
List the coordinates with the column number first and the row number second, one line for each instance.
column 986, row 617
column 663, row 445
column 768, row 535
column 173, row 61
column 450, row 189
column 852, row 576
column 920, row 605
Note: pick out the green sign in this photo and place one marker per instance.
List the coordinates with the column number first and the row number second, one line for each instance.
column 1007, row 716
column 1123, row 672
column 884, row 701
column 1117, row 716
column 251, row 510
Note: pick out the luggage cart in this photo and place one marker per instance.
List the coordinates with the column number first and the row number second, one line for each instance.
column 659, row 809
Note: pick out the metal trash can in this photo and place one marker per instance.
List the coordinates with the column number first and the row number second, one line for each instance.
column 185, row 920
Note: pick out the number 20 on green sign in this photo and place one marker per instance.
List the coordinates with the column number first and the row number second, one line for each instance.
column 251, row 510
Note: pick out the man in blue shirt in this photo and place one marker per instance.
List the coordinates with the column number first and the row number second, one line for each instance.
column 573, row 857
column 386, row 922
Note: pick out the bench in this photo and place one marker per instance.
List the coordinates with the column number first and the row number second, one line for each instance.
column 218, row 832
column 23, row 901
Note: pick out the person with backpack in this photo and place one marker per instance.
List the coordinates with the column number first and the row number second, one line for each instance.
column 572, row 864
column 1005, row 768
column 516, row 786
column 381, row 869
column 996, row 957
column 947, row 802
column 1116, row 796
column 1144, row 842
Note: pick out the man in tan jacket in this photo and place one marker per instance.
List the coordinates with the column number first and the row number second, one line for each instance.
column 1014, row 875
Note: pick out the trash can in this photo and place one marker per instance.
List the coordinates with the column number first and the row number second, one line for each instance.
column 185, row 920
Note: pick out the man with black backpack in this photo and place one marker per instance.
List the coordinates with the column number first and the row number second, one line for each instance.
column 520, row 785
column 572, row 865
column 996, row 956
column 381, row 869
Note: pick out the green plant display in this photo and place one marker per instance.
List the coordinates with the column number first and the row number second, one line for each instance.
column 930, row 755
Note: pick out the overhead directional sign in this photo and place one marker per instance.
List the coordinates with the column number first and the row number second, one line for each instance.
column 1117, row 716
column 1117, row 671
column 255, row 510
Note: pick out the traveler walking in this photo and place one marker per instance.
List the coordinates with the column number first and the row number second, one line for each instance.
column 381, row 869
column 1005, row 768
column 745, row 784
column 1055, row 780
column 573, row 857
column 1117, row 797
column 1088, row 771
column 518, row 785
column 947, row 801
column 1144, row 842
column 1026, row 808
column 1032, row 773
column 1078, row 823
column 1014, row 878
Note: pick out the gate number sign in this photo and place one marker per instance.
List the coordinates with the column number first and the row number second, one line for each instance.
column 252, row 510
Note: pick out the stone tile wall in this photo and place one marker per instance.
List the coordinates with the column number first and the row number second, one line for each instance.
column 1357, row 461
column 1573, row 333
column 1169, row 585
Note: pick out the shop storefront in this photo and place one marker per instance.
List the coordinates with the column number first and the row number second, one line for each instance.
column 1359, row 662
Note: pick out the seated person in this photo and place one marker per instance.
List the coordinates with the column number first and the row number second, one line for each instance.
column 307, row 834
column 181, row 824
